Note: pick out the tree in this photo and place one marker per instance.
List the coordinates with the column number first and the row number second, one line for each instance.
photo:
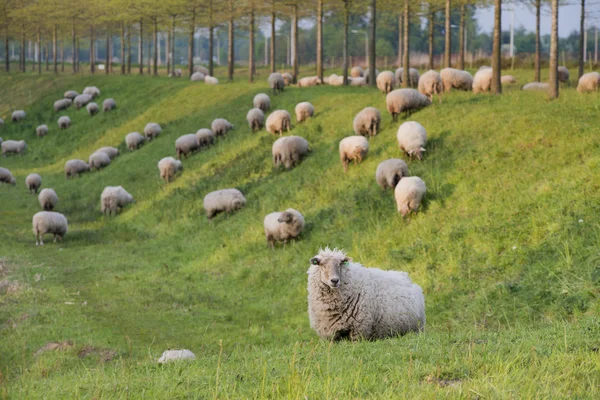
column 295, row 43
column 372, row 47
column 497, row 49
column 461, row 36
column 251, row 28
column 230, row 42
column 273, row 18
column 345, row 50
column 320, row 38
column 448, row 39
column 553, row 89
column 406, row 64
column 581, row 38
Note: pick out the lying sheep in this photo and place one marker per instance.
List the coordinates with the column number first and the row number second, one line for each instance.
column 168, row 167
column 408, row 194
column 360, row 81
column 48, row 199
column 589, row 82
column 18, row 116
column 335, row 80
column 134, row 140
column 353, row 148
column 109, row 105
column 13, row 146
column 99, row 160
column 201, row 68
column 386, row 81
column 206, row 137
column 349, row 301
column 278, row 121
column 49, row 222
column 113, row 199
column 226, row 200
column 74, row 168
column 82, row 100
column 412, row 138
column 405, row 100
column 186, row 145
column 276, row 82
column 389, row 173
column 482, row 82
column 33, row 182
column 62, row 104
column 430, row 84
column 111, row 152
column 262, row 101
column 283, row 226
column 456, row 79
column 367, row 121
column 211, row 80
column 413, row 76
column 310, row 81
column 304, row 111
column 221, row 126
column 197, row 77
column 7, row 177
column 152, row 130
column 64, row 122
column 92, row 91
column 70, row 94
column 289, row 151
column 536, row 86
column 357, row 72
column 41, row 130
column 507, row 79
column 169, row 356
column 288, row 78
column 563, row 74
column 92, row 109
column 256, row 119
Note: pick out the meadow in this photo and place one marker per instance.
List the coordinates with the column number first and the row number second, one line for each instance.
column 506, row 248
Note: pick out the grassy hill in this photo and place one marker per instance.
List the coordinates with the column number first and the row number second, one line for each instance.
column 506, row 248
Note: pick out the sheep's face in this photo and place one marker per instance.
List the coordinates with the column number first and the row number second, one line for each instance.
column 286, row 218
column 331, row 269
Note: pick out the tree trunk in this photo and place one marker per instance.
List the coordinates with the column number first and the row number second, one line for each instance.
column 230, row 45
column 168, row 52
column 92, row 51
column 497, row 49
column 538, row 49
column 320, row 39
column 62, row 56
column 141, row 47
column 74, row 44
column 251, row 46
column 55, row 49
column 172, row 46
column 108, row 54
column 155, row 47
column 431, row 36
column 372, row 47
column 406, row 64
column 39, row 50
column 6, row 49
column 211, row 50
column 47, row 56
column 22, row 51
column 553, row 89
column 345, row 50
column 461, row 39
column 448, row 40
column 400, row 41
column 273, row 36
column 129, row 50
column 582, row 45
column 77, row 54
column 295, row 62
column 149, row 56
column 123, row 48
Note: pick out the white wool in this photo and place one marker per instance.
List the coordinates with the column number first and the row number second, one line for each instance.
column 409, row 193
column 405, row 100
column 64, row 122
column 353, row 148
column 390, row 172
column 18, row 116
column 33, row 182
column 221, row 126
column 288, row 78
column 13, row 146
column 75, row 167
column 256, row 119
column 283, row 226
column 186, row 144
column 70, row 94
column 7, row 177
column 176, row 355
column 563, row 74
column 211, row 80
column 589, row 82
column 507, row 79
column 310, row 81
column 206, row 137
column 357, row 72
column 279, row 121
column 41, row 130
column 276, row 82
column 49, row 222
column 92, row 109
column 289, row 150
column 367, row 122
column 412, row 138
column 82, row 100
column 197, row 77
column 168, row 167
column 413, row 76
column 134, row 140
column 114, row 198
column 48, row 199
column 386, row 81
column 456, row 79
column 304, row 111
column 152, row 130
column 92, row 91
column 62, row 104
column 98, row 160
column 262, row 101
column 430, row 84
column 225, row 200
column 108, row 105
column 111, row 152
column 482, row 82
column 536, row 86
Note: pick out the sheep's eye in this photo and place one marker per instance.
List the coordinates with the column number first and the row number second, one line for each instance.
column 314, row 261
column 345, row 263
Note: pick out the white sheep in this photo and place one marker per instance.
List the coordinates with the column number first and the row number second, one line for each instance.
column 201, row 68
column 64, row 122
column 197, row 77
column 92, row 109
column 288, row 78
column 13, row 146
column 178, row 73
column 41, row 130
column 390, row 172
column 49, row 222
column 507, row 79
column 310, row 81
column 349, row 301
column 413, row 77
column 92, row 91
column 99, row 160
column 386, row 81
column 176, row 355
column 221, row 126
column 152, row 130
column 405, row 100
column 134, row 140
column 168, row 167
column 111, row 152
column 18, row 116
column 74, row 168
column 353, row 148
column 256, row 119
column 7, row 177
column 367, row 121
column 48, row 199
column 430, row 84
column 206, row 137
column 109, row 105
column 456, row 79
column 289, row 151
column 82, row 100
column 412, row 138
column 211, row 80
column 186, row 144
column 225, row 200
column 283, row 226
column 482, row 82
column 304, row 111
column 536, row 86
column 70, row 94
column 360, row 81
column 113, row 199
column 357, row 72
column 62, row 104
column 589, row 82
column 276, row 82
column 33, row 182
column 262, row 101
column 409, row 193
column 335, row 80
column 278, row 121
column 563, row 74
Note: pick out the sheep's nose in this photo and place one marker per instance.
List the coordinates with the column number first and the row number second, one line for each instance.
column 335, row 281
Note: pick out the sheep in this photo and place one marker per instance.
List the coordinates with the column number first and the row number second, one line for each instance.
column 111, row 152
column 225, row 200
column 347, row 300
column 168, row 167
column 353, row 148
column 507, row 79
column 62, row 104
column 430, row 83
column 367, row 75
column 358, row 81
column 563, row 74
column 357, row 72
column 74, row 168
column 200, row 68
column 41, row 130
column 310, row 81
column 92, row 91
column 413, row 77
column 221, row 126
column 64, row 122
column 408, row 194
column 304, row 111
column 178, row 73
column 197, row 77
column 92, row 109
column 367, row 121
column 288, row 78
column 109, row 105
column 98, row 160
column 405, row 100
column 211, row 80
column 335, row 80
column 589, row 82
column 390, row 172
column 49, row 222
column 412, row 138
column 13, row 146
column 70, row 94
column 114, row 198
column 278, row 121
column 262, row 101
column 186, row 144
column 456, row 79
column 484, row 67
column 134, row 140
column 289, row 151
column 206, row 137
column 482, row 82
column 152, row 130
column 256, row 119
column 386, row 81
column 276, row 82
column 82, row 100
column 18, row 116
column 536, row 86
column 283, row 226
column 7, row 177
column 176, row 355
column 48, row 199
column 33, row 182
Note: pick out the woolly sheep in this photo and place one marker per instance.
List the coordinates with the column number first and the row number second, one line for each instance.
column 48, row 199
column 347, row 300
column 536, row 86
column 7, row 177
column 367, row 75
column 287, row 78
column 62, row 104
column 49, row 222
column 278, row 121
column 335, row 80
column 357, row 72
column 33, row 182
column 563, row 74
column 412, row 138
column 206, row 137
column 405, row 100
column 109, row 105
column 386, row 81
column 70, row 94
column 186, row 144
column 211, row 80
column 92, row 109
column 283, row 226
column 310, row 81
column 114, row 198
column 262, row 101
column 389, row 173
column 178, row 73
column 358, row 81
column 176, row 355
column 276, row 82
column 507, row 79
column 13, row 146
column 64, row 122
column 82, row 100
column 41, row 130
column 152, row 130
column 256, row 119
column 221, row 126
column 168, row 167
column 18, row 116
column 99, row 160
column 589, row 82
column 289, row 151
column 367, row 122
column 304, row 111
column 482, row 82
column 353, row 148
column 111, row 152
column 430, row 84
column 225, row 200
column 408, row 194
column 456, row 79
column 134, row 140
column 92, row 91
column 413, row 76
column 75, row 167
column 197, row 77
column 201, row 68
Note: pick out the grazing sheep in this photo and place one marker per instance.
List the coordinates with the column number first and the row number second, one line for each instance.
column 367, row 75
column 92, row 91
column 456, row 79
column 70, row 94
column 82, row 100
column 563, row 74
column 75, row 167
column 408, row 194
column 33, row 182
column 18, row 116
column 152, row 130
column 310, row 81
column 283, row 226
column 206, row 137
column 201, row 68
column 92, row 109
column 276, row 82
column 589, row 82
column 211, row 80
column 482, row 82
column 111, row 152
column 168, row 167
column 507, row 79
column 178, row 73
column 413, row 76
column 134, row 140
column 48, row 199
column 386, row 81
column 367, row 121
column 64, row 122
column 62, row 104
column 288, row 78
column 41, row 130
column 226, row 200
column 412, row 138
column 405, row 100
column 256, row 119
column 7, row 177
column 186, row 144
column 353, row 148
column 349, row 301
column 113, row 199
column 176, row 355
column 221, row 126
column 262, row 101
column 536, row 86
column 278, row 121
column 389, row 173
column 49, row 222
column 304, row 111
column 13, row 146
column 289, row 151
column 357, row 72
column 430, row 83
column 99, row 160
column 197, row 77
column 109, row 105
column 360, row 81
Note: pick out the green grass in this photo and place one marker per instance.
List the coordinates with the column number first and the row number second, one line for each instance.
column 506, row 248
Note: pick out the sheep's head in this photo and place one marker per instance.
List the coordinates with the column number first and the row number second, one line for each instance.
column 331, row 264
column 285, row 217
column 13, row 181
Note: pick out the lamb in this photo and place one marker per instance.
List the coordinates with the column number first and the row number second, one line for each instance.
column 278, row 121
column 358, row 81
column 92, row 109
column 589, row 82
column 276, row 82
column 367, row 122
column 405, row 100
column 456, row 79
column 134, row 140
column 482, row 82
column 82, row 100
column 386, row 81
column 99, row 160
column 201, row 68
column 49, row 222
column 536, row 86
column 430, row 83
column 353, row 148
column 412, row 138
column 64, row 122
column 413, row 76
column 304, row 111
column 289, row 151
column 92, row 91
column 114, row 198
column 211, row 80
column 310, row 81
column 74, row 168
column 357, row 72
column 152, row 130
column 349, row 301
column 109, row 105
column 33, row 182
column 18, row 116
column 507, row 79
column 390, row 172
column 70, row 94
column 111, row 152
column 288, row 78
column 221, row 126
column 563, row 74
column 262, row 101
column 7, row 177
column 13, row 146
column 197, row 77
column 206, row 137
column 283, row 226
column 48, row 199
column 226, row 200
column 41, row 130
column 186, row 144
column 62, row 104
column 168, row 167
column 408, row 194
column 256, row 119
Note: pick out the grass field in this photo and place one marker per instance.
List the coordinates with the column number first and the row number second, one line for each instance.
column 506, row 248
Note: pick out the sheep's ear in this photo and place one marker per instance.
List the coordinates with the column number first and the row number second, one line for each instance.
column 315, row 261
column 423, row 149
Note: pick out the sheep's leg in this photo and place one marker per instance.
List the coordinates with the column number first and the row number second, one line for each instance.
column 345, row 163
